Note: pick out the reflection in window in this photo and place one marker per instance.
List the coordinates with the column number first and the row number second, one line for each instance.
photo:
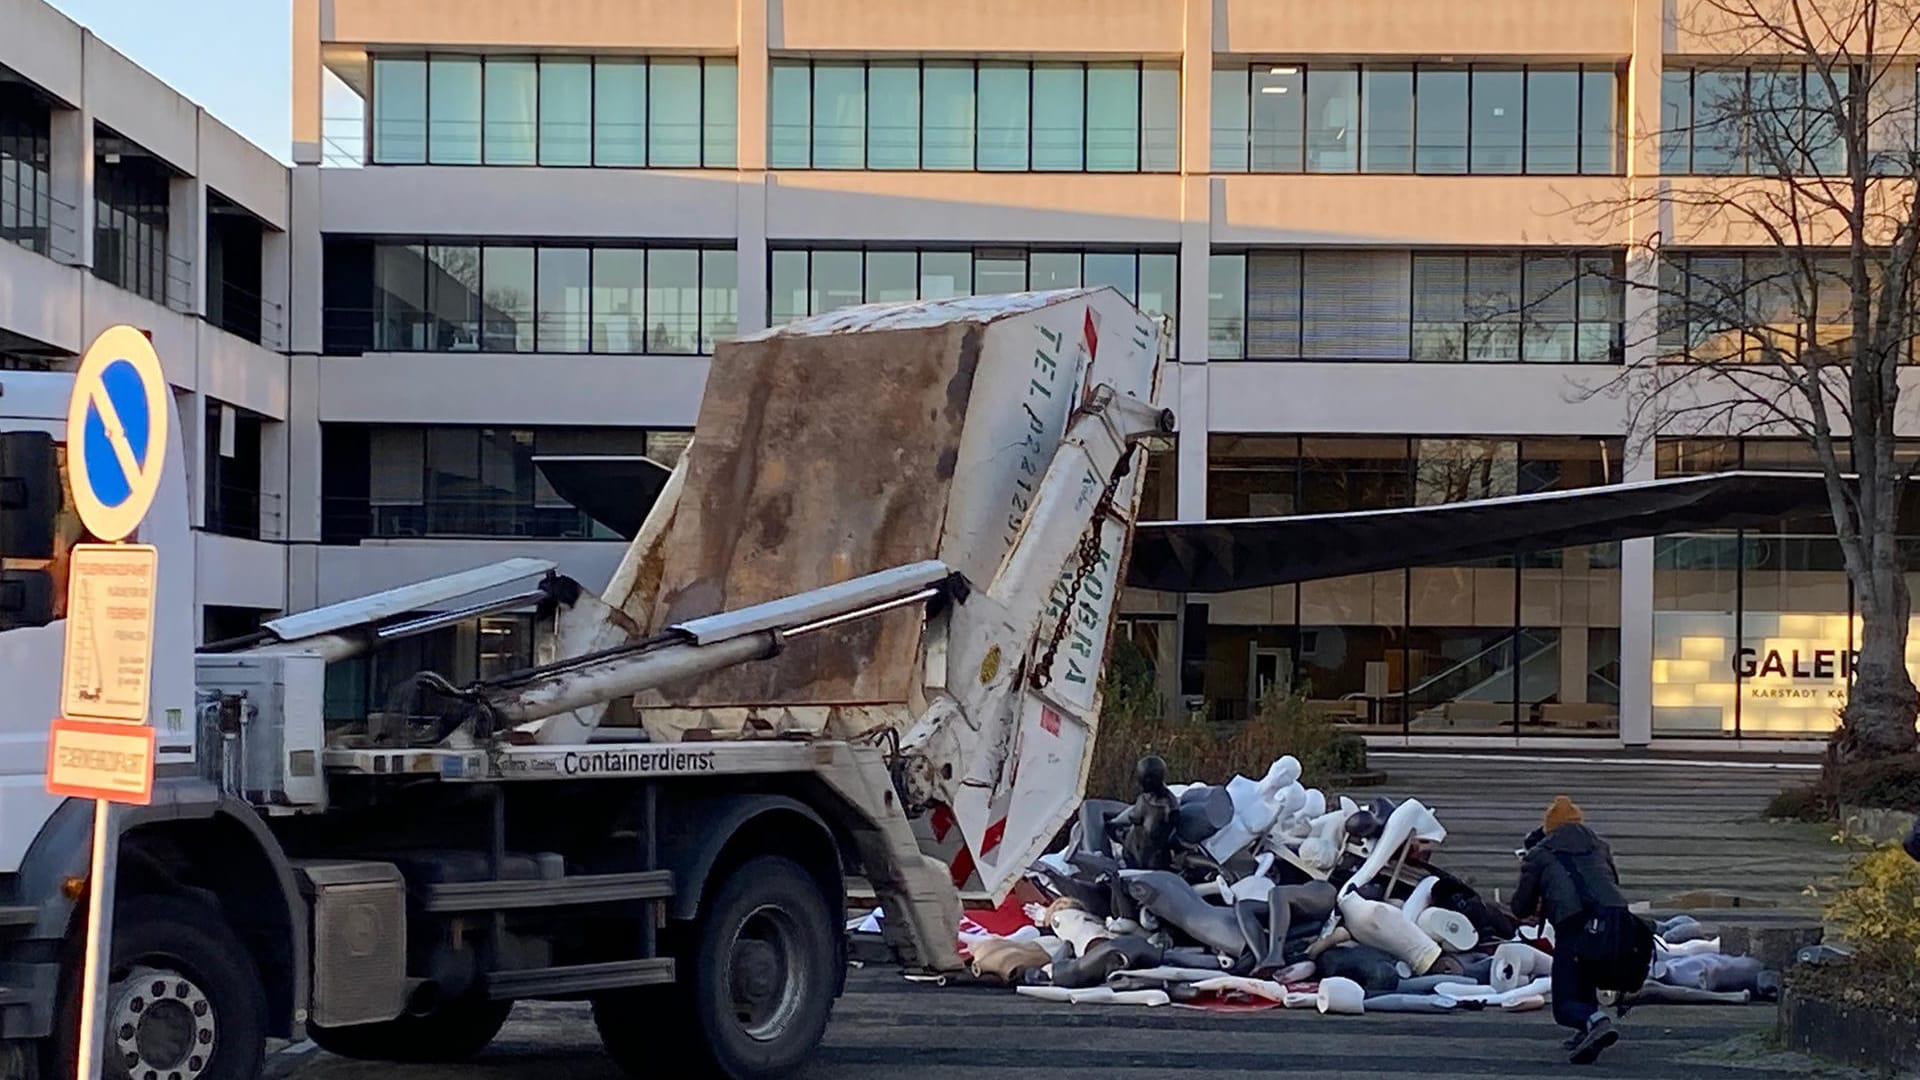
column 813, row 282
column 673, row 301
column 1765, row 121
column 399, row 111
column 1541, row 307
column 556, row 110
column 991, row 116
column 553, row 298
column 564, row 324
column 480, row 482
column 1430, row 118
column 131, row 220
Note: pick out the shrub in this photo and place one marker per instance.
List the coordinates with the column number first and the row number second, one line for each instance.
column 1891, row 783
column 1875, row 908
column 1133, row 723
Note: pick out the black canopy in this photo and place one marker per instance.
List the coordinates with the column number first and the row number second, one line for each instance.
column 1220, row 556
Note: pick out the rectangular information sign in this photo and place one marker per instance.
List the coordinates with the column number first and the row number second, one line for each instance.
column 109, row 661
column 111, row 761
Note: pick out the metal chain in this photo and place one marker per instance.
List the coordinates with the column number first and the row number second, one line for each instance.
column 1089, row 562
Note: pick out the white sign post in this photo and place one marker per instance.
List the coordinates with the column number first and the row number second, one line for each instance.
column 102, row 746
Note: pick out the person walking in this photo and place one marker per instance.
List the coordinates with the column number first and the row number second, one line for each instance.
column 1567, row 877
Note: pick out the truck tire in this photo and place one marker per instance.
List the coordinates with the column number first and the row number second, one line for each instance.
column 757, row 984
column 452, row 1033
column 185, row 1001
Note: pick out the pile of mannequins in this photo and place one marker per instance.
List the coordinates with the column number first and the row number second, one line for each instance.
column 1266, row 893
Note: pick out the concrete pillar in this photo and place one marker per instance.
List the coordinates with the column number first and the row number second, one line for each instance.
column 309, row 78
column 1196, row 248
column 187, row 245
column 191, row 406
column 304, row 268
column 71, row 165
column 1575, row 619
column 276, row 287
column 303, row 450
column 753, row 24
column 274, row 473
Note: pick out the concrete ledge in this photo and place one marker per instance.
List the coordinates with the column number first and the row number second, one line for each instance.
column 1873, row 1038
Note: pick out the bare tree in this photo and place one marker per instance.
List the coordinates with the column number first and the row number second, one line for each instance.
column 1789, row 178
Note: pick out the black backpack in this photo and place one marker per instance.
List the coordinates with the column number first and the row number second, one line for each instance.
column 1615, row 949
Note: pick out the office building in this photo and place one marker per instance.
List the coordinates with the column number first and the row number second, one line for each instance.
column 518, row 227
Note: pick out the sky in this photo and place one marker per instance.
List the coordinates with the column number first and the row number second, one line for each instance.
column 231, row 57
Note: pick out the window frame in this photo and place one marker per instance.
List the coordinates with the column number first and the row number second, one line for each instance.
column 1244, row 160
column 1143, row 153
column 1525, row 255
column 480, row 245
column 708, row 157
column 1685, row 143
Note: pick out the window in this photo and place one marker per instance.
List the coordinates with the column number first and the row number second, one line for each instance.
column 132, row 210
column 947, row 115
column 26, row 200
column 548, row 298
column 1491, row 647
column 1427, row 118
column 1342, row 305
column 991, row 116
column 1757, row 306
column 445, row 109
column 819, row 280
column 893, row 116
column 399, row 111
column 454, row 110
column 674, row 90
column 512, row 95
column 1755, row 121
column 566, row 112
column 445, row 481
column 620, row 112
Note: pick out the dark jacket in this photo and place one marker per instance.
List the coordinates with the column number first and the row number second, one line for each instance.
column 1569, row 872
column 1913, row 839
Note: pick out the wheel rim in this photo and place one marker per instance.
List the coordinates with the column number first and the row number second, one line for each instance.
column 160, row 1025
column 766, row 969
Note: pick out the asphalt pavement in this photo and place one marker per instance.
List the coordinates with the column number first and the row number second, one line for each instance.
column 886, row 1028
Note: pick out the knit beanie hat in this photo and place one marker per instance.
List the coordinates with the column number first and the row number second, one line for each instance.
column 1562, row 812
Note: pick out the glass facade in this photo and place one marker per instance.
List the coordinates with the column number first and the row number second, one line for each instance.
column 1729, row 306
column 989, row 116
column 812, row 281
column 1754, row 629
column 461, row 296
column 1533, row 306
column 407, row 481
column 1499, row 646
column 1418, row 118
column 1775, row 120
column 660, row 112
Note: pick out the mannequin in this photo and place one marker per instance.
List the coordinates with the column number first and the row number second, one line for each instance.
column 1409, row 821
column 1344, row 996
column 1384, row 927
column 1328, row 836
column 1420, row 899
column 1286, row 907
column 1256, row 806
column 1097, row 995
column 1148, row 843
column 1173, row 901
column 1011, row 962
column 1103, row 959
column 1449, row 929
column 1373, row 969
column 1517, row 964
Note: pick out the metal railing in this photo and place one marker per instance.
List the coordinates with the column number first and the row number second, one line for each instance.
column 353, row 517
column 246, row 314
column 343, row 142
column 244, row 512
column 352, row 329
column 48, row 225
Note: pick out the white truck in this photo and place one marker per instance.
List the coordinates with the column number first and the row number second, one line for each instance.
column 879, row 583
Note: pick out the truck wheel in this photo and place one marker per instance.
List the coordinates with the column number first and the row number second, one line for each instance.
column 185, row 1002
column 454, row 1032
column 758, row 982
